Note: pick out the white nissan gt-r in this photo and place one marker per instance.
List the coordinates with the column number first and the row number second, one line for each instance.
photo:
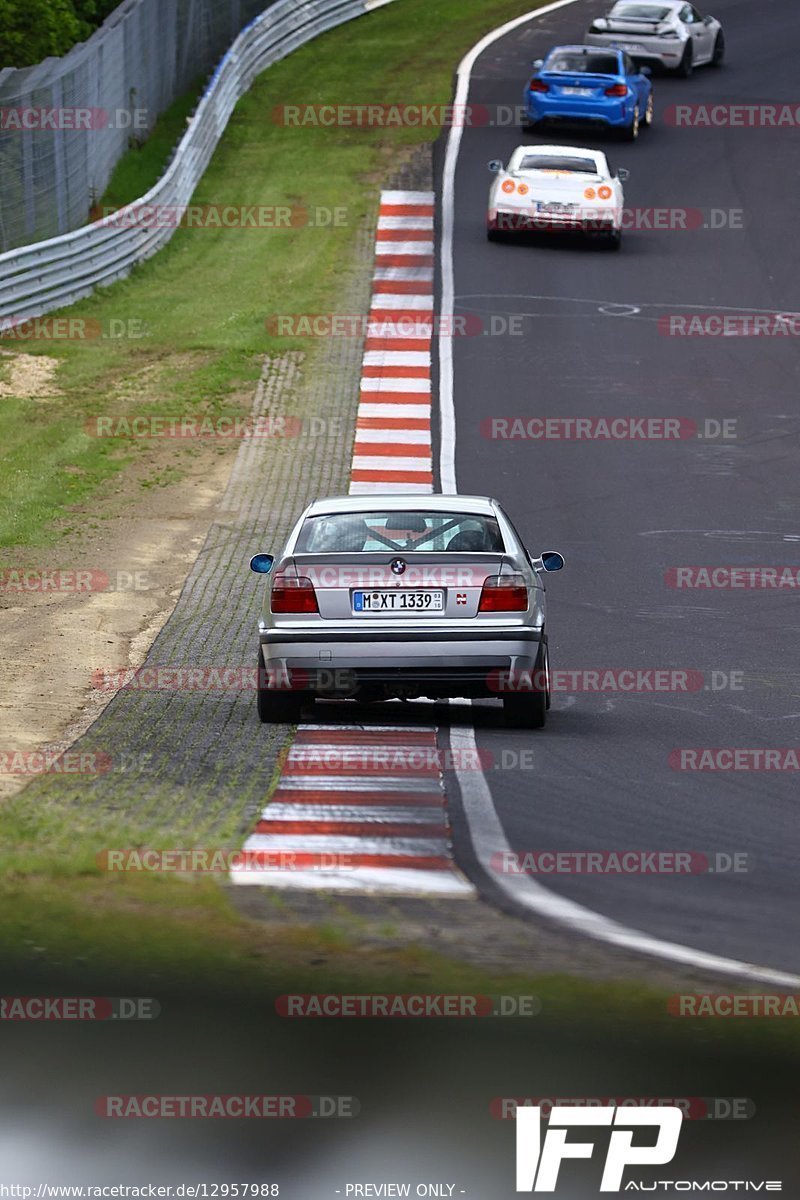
column 556, row 188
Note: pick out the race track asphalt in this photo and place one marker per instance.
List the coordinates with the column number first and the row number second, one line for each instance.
column 625, row 512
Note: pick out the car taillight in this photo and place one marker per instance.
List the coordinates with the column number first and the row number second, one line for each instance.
column 538, row 85
column 504, row 593
column 293, row 596
column 617, row 89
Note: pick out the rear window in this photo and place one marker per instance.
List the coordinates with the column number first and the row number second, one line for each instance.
column 552, row 162
column 640, row 12
column 575, row 61
column 353, row 533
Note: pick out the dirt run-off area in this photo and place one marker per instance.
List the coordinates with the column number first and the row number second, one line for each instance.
column 99, row 597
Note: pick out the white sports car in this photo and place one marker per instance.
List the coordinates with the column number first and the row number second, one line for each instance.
column 556, row 188
column 669, row 32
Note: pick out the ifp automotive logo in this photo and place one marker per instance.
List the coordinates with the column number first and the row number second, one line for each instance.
column 539, row 1160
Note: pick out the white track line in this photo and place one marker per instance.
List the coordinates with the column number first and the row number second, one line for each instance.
column 485, row 828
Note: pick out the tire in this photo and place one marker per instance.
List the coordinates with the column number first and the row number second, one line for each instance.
column 647, row 119
column 719, row 50
column 529, row 711
column 684, row 71
column 613, row 240
column 275, row 707
column 492, row 235
column 631, row 132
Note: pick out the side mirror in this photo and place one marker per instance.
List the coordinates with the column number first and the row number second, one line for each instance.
column 495, row 166
column 707, row 20
column 552, row 560
column 262, row 563
column 646, row 71
column 622, row 174
column 537, row 64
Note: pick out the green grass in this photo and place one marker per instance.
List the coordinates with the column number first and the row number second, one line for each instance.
column 139, row 169
column 202, row 301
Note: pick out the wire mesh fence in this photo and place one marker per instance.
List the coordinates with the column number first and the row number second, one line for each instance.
column 65, row 122
column 36, row 279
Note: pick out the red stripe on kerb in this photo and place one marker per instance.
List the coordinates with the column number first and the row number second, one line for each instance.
column 371, row 829
column 391, row 450
column 394, row 371
column 348, row 737
column 389, row 423
column 397, row 343
column 304, row 859
column 360, row 475
column 413, row 287
column 406, row 210
column 395, row 398
column 368, row 799
column 388, row 259
column 296, row 766
column 404, row 235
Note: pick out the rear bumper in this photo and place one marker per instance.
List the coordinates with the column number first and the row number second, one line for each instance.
column 426, row 663
column 515, row 222
column 663, row 52
column 612, row 114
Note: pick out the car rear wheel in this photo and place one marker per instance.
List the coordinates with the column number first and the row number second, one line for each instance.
column 647, row 119
column 528, row 710
column 275, row 707
column 687, row 62
column 631, row 132
column 719, row 50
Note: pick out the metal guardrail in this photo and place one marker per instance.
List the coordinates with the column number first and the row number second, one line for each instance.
column 48, row 275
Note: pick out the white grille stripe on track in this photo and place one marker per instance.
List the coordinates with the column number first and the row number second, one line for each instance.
column 362, row 808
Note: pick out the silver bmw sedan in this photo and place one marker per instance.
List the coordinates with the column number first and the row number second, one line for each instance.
column 382, row 596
